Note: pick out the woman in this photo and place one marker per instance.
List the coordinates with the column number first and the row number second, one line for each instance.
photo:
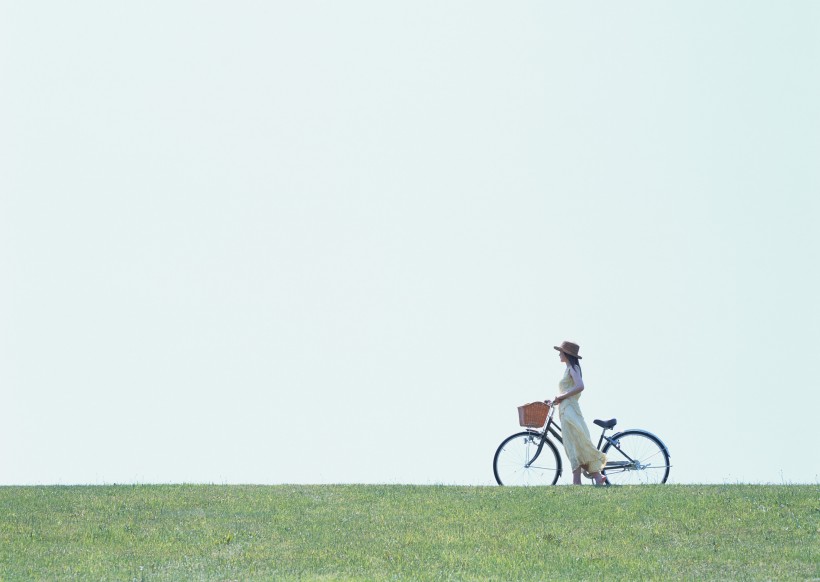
column 581, row 452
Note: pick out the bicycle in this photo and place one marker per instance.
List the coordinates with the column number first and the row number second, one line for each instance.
column 530, row 457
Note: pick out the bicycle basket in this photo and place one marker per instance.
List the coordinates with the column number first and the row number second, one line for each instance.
column 533, row 415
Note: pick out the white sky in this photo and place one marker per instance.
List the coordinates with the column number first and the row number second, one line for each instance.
column 311, row 242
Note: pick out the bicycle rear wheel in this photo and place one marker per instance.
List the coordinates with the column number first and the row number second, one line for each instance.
column 636, row 457
column 516, row 463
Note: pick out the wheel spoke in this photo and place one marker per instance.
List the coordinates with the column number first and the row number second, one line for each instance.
column 647, row 459
column 514, row 454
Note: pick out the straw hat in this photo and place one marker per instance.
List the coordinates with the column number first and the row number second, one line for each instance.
column 569, row 348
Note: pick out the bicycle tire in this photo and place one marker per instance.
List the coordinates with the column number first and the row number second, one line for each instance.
column 513, row 454
column 639, row 458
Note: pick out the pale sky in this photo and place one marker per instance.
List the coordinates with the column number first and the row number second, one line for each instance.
column 318, row 242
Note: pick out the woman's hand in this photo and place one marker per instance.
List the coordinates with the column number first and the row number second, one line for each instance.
column 556, row 400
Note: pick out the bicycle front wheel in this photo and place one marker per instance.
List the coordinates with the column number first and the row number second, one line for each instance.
column 527, row 458
column 636, row 457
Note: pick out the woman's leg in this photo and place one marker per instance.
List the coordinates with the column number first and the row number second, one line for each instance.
column 597, row 477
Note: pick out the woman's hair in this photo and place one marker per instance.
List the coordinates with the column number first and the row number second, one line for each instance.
column 573, row 362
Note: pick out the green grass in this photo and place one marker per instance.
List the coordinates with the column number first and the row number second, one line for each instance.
column 185, row 532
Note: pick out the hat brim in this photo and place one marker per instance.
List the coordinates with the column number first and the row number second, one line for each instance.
column 567, row 353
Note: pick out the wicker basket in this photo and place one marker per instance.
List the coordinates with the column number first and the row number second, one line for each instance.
column 533, row 415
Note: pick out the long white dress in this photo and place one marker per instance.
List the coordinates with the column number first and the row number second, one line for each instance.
column 575, row 433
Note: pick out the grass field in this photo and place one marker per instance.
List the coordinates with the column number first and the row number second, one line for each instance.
column 211, row 532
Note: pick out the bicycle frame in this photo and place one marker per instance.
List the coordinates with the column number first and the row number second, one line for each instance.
column 554, row 429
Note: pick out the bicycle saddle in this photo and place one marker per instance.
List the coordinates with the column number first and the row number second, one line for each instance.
column 606, row 423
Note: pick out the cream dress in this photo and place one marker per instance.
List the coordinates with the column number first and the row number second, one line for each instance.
column 577, row 442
